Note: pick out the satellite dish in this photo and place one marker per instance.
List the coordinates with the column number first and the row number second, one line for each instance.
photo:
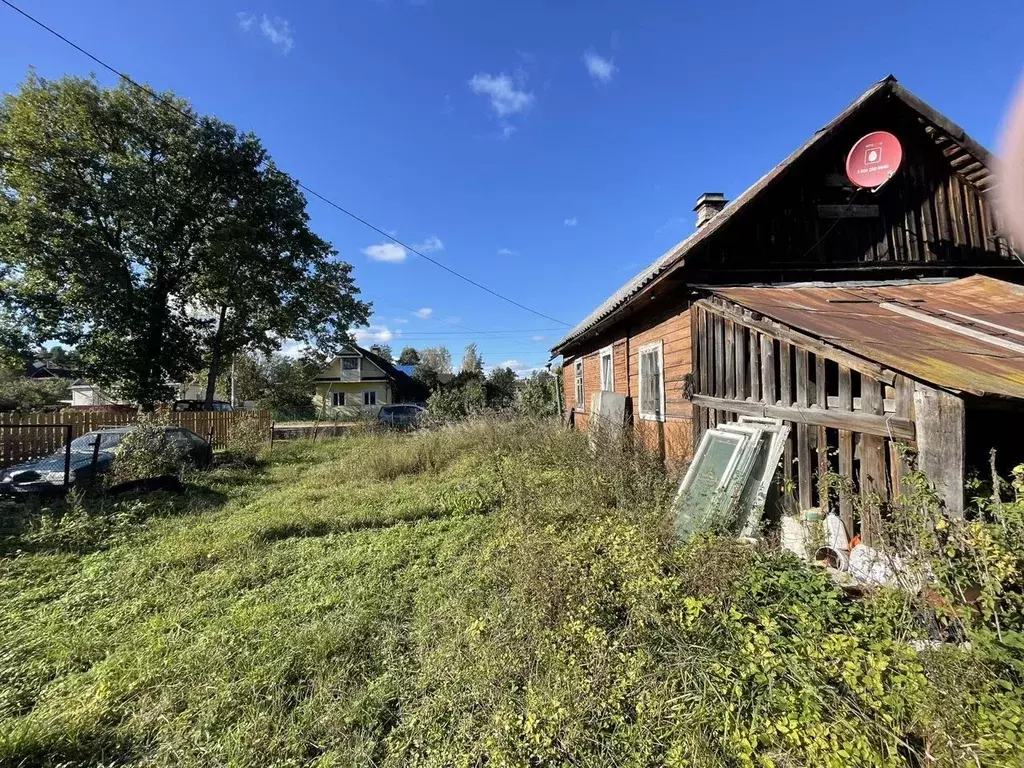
column 874, row 159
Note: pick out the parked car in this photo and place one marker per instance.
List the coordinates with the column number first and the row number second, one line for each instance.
column 190, row 406
column 47, row 474
column 401, row 416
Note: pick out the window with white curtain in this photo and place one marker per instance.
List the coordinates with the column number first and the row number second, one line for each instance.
column 579, row 384
column 607, row 370
column 652, row 382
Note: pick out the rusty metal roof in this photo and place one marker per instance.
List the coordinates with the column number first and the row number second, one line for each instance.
column 964, row 335
column 956, row 145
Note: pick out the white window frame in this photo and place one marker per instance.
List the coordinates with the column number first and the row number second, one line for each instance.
column 657, row 345
column 369, row 394
column 607, row 386
column 337, row 399
column 579, row 393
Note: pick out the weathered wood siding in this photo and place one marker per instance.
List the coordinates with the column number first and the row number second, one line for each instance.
column 671, row 438
column 928, row 216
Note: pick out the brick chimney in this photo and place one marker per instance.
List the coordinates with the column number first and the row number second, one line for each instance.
column 709, row 204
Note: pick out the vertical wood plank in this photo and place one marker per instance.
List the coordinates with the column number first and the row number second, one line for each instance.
column 872, row 462
column 719, row 336
column 785, row 373
column 803, row 447
column 704, row 372
column 846, row 449
column 740, row 348
column 754, row 364
column 939, row 417
column 730, row 359
column 768, row 369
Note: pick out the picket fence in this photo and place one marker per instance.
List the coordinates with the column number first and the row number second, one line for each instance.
column 29, row 436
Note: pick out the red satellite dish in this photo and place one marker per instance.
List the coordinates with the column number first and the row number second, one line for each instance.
column 874, row 159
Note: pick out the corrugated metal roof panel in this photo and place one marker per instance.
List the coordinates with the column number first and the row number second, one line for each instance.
column 965, row 335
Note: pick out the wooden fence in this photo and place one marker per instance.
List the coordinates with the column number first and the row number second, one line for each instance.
column 20, row 442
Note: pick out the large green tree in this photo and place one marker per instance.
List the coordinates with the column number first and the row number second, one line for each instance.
column 472, row 362
column 156, row 241
column 409, row 356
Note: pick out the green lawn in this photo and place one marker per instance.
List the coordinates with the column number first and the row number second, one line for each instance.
column 491, row 595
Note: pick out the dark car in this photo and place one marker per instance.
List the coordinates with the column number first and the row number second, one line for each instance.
column 47, row 474
column 401, row 416
column 190, row 406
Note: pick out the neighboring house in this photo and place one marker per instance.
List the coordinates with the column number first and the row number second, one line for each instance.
column 40, row 370
column 358, row 382
column 826, row 335
column 87, row 395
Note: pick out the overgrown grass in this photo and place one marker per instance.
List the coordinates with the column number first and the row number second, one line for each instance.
column 489, row 594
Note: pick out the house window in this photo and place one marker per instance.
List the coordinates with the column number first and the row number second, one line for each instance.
column 349, row 363
column 579, row 385
column 337, row 399
column 607, row 370
column 652, row 383
column 369, row 397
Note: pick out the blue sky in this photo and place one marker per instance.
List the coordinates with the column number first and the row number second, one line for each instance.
column 548, row 150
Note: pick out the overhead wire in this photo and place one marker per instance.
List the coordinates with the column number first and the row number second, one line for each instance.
column 160, row 99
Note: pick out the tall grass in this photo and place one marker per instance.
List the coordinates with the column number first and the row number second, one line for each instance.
column 494, row 593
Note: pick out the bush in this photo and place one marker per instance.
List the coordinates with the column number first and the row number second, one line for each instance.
column 246, row 438
column 147, row 451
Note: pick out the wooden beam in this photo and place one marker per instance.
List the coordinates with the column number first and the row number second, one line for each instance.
column 847, row 211
column 938, row 322
column 845, row 403
column 818, row 347
column 940, row 444
column 869, row 424
column 740, row 349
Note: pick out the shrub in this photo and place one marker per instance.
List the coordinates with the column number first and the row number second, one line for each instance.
column 147, row 451
column 246, row 438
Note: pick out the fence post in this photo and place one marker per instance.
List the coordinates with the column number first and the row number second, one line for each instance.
column 272, row 424
column 95, row 458
column 67, row 455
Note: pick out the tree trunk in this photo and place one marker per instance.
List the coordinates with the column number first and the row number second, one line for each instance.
column 216, row 357
column 151, row 378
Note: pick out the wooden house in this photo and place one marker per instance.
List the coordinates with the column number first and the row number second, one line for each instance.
column 357, row 382
column 840, row 310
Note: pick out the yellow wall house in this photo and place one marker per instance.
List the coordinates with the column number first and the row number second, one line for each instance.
column 358, row 382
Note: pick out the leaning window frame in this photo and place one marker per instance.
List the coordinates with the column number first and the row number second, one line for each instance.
column 659, row 346
column 607, row 386
column 578, row 389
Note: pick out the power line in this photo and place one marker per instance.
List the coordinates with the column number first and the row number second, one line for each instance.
column 153, row 94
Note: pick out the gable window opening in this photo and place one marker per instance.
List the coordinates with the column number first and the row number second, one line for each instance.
column 369, row 397
column 607, row 370
column 349, row 363
column 652, row 385
column 579, row 385
column 337, row 399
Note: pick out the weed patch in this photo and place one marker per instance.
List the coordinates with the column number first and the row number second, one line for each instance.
column 490, row 593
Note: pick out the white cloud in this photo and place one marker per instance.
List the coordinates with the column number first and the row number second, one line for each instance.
column 389, row 252
column 538, row 338
column 432, row 244
column 507, row 252
column 291, row 347
column 375, row 333
column 506, row 97
column 571, row 222
column 278, row 31
column 599, row 67
column 424, row 313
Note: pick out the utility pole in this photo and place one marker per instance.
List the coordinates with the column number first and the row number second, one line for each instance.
column 232, row 383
